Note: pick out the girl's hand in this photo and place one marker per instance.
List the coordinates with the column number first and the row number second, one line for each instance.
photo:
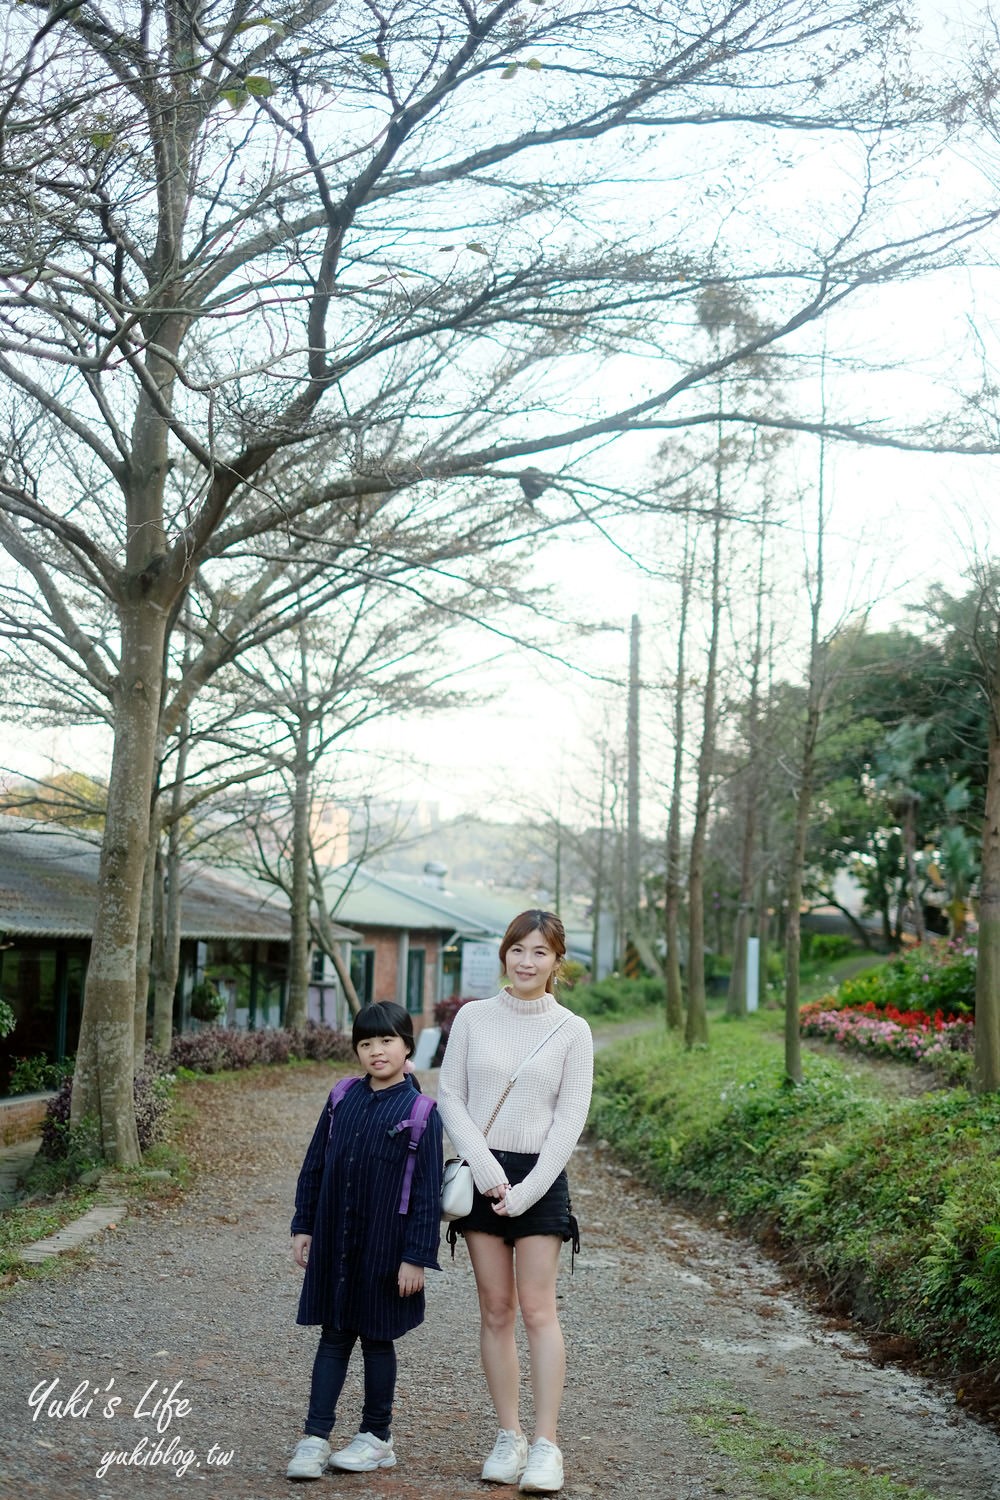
column 300, row 1249
column 410, row 1279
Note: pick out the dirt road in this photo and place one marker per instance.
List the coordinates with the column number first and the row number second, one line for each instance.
column 693, row 1370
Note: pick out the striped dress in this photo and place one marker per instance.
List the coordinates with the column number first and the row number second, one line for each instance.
column 347, row 1198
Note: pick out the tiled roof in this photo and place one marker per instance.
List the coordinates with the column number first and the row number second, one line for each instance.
column 392, row 899
column 48, row 884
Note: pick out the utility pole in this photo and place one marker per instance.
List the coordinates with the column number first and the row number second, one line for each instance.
column 632, row 807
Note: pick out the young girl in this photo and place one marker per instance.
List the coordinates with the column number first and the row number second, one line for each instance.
column 364, row 1257
column 521, row 1211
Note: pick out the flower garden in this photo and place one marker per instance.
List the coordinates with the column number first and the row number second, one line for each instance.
column 917, row 1008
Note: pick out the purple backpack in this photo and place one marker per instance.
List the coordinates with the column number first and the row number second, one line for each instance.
column 416, row 1125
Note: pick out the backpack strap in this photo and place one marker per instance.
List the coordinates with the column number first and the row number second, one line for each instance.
column 417, row 1123
column 336, row 1094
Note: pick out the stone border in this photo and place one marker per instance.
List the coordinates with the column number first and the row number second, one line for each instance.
column 100, row 1217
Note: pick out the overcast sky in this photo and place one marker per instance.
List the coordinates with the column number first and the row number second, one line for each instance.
column 897, row 523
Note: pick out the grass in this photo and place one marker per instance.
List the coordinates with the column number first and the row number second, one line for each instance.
column 892, row 1202
column 785, row 1467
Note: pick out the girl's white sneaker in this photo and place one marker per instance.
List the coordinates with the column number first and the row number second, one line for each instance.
column 309, row 1459
column 364, row 1452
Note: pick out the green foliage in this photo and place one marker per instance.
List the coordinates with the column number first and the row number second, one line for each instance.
column 8, row 1020
column 935, row 976
column 571, row 971
column 824, row 947
column 895, row 1202
column 616, row 999
column 36, row 1075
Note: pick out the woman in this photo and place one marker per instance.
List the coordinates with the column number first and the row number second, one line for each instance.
column 521, row 1213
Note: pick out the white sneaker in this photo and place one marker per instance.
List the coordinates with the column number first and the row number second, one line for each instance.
column 505, row 1464
column 364, row 1452
column 309, row 1459
column 544, row 1472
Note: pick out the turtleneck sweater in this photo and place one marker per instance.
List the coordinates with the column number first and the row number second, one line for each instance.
column 545, row 1111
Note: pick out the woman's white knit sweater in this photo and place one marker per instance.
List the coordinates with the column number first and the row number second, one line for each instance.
column 545, row 1111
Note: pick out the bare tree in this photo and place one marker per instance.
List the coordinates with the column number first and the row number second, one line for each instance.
column 696, row 1015
column 223, row 258
column 674, row 871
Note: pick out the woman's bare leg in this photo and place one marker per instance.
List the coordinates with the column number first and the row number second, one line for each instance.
column 493, row 1264
column 536, row 1265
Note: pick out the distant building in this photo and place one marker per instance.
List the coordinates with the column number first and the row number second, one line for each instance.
column 415, row 939
column 234, row 931
column 423, row 937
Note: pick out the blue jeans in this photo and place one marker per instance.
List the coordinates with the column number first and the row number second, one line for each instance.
column 330, row 1371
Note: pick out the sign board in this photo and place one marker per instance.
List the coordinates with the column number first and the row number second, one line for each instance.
column 480, row 970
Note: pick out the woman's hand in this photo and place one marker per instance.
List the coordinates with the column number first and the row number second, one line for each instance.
column 410, row 1279
column 300, row 1249
column 499, row 1194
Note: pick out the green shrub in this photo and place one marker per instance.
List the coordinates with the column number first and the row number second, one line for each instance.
column 935, row 976
column 609, row 999
column 825, row 947
column 894, row 1202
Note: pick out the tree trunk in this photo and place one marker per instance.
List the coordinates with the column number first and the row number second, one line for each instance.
column 298, row 948
column 102, row 1082
column 987, row 1055
column 327, row 940
column 346, row 982
column 144, row 943
column 596, row 906
column 793, row 924
column 815, row 697
column 696, row 1019
column 169, row 948
column 763, row 921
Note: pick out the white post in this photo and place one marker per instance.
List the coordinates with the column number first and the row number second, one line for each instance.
column 753, row 973
column 402, row 967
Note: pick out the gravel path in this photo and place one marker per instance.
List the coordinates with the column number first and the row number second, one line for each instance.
column 194, row 1299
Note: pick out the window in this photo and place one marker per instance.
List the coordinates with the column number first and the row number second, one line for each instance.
column 318, row 965
column 415, row 967
column 363, row 973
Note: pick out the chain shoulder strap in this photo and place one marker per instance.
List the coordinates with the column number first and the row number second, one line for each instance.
column 513, row 1077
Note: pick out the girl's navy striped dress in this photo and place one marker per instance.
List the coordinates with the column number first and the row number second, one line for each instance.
column 347, row 1198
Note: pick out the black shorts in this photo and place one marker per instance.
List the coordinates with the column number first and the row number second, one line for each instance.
column 552, row 1214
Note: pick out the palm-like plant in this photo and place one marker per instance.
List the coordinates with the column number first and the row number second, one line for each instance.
column 897, row 775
